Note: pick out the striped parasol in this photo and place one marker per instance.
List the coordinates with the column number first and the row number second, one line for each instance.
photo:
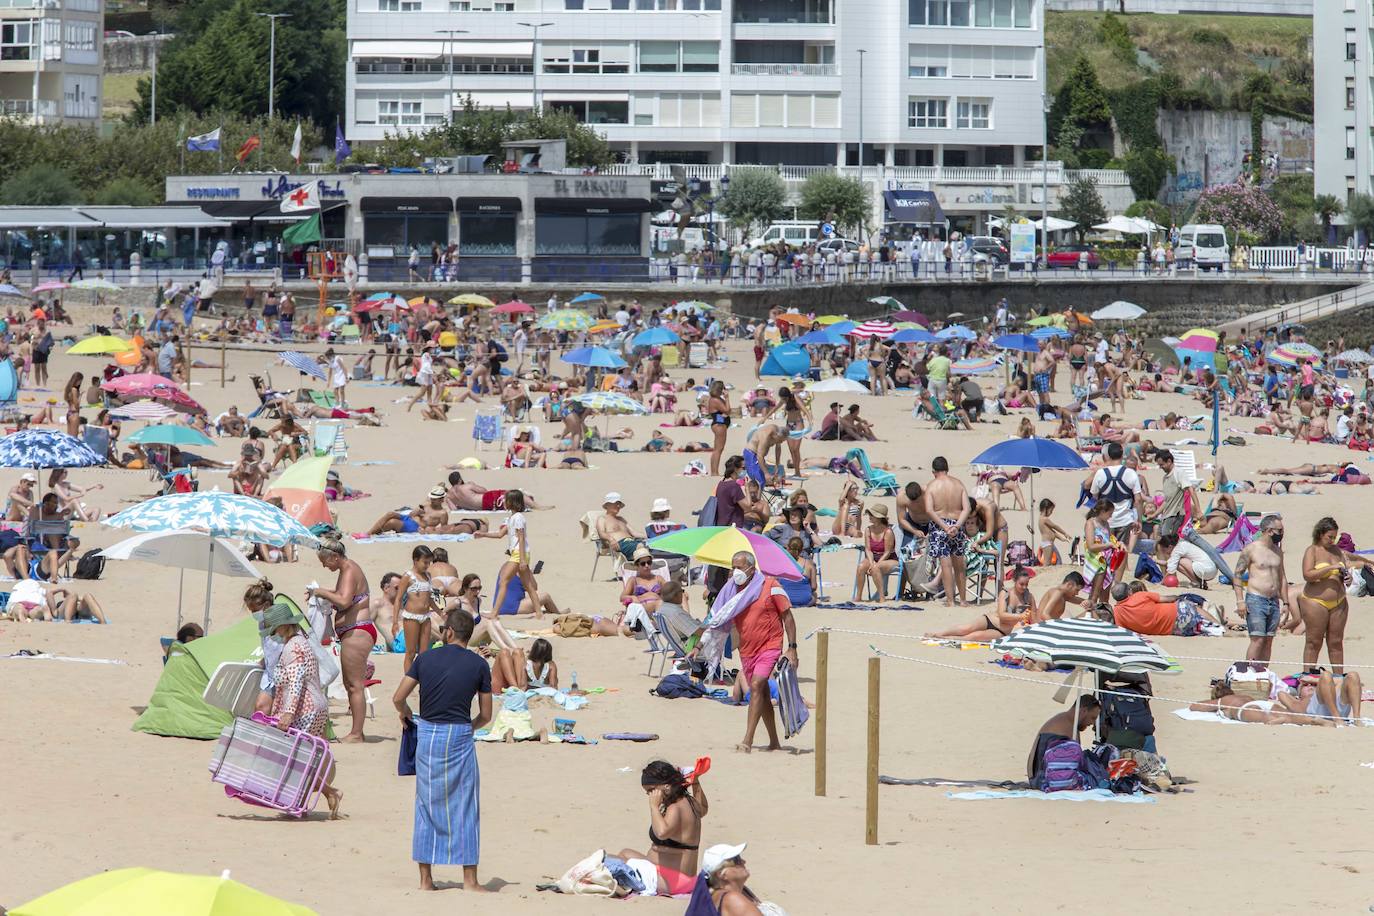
column 874, row 328
column 142, row 410
column 1289, row 357
column 611, row 402
column 303, row 364
column 565, row 320
column 1084, row 643
column 1202, row 339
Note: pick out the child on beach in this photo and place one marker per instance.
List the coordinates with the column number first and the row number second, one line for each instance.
column 519, row 552
column 1048, row 553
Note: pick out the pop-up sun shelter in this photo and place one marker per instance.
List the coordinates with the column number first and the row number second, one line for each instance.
column 176, row 708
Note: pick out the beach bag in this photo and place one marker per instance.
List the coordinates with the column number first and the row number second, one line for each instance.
column 1129, row 719
column 679, row 687
column 590, row 877
column 1097, row 765
column 917, row 571
column 1019, row 554
column 1063, row 762
column 90, row 566
column 572, row 625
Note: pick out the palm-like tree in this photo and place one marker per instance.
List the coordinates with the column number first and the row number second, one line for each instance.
column 1327, row 206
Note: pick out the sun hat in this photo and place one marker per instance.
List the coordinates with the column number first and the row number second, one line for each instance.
column 661, row 505
column 877, row 510
column 642, row 553
column 437, row 492
column 279, row 615
column 612, row 497
column 715, row 857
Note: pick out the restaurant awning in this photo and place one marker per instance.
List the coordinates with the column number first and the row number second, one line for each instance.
column 187, row 217
column 406, row 204
column 262, row 211
column 913, row 207
column 43, row 217
column 593, row 205
column 489, row 205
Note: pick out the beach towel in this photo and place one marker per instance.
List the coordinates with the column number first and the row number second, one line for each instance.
column 856, row 606
column 1077, row 795
column 1242, row 533
column 447, row 814
column 791, row 707
column 936, row 781
column 629, row 736
column 405, row 758
column 415, row 537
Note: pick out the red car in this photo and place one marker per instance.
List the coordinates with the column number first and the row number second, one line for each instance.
column 1067, row 256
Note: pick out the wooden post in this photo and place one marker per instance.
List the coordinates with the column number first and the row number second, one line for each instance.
column 822, row 696
column 222, row 349
column 871, row 803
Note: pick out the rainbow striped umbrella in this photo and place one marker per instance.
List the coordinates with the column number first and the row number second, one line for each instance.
column 716, row 545
column 1290, row 358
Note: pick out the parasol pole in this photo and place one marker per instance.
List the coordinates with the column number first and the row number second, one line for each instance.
column 181, row 585
column 209, row 581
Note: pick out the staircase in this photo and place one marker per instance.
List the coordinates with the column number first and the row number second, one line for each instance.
column 1323, row 306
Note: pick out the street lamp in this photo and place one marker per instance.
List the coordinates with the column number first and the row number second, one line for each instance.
column 694, row 191
column 451, row 101
column 272, row 60
column 534, row 60
column 862, row 52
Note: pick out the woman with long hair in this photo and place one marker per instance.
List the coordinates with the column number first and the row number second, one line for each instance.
column 797, row 418
column 676, row 808
column 518, row 556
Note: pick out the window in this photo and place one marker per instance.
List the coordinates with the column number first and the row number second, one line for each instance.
column 481, row 6
column 974, row 114
column 683, row 109
column 399, row 6
column 928, row 61
column 679, row 57
column 400, row 111
column 779, row 110
column 982, row 14
column 1349, row 44
column 16, row 41
column 1349, row 93
column 560, row 57
column 595, row 111
column 928, row 113
column 592, row 234
column 700, row 56
column 1350, row 143
column 78, row 39
column 971, row 62
column 658, row 56
column 486, row 234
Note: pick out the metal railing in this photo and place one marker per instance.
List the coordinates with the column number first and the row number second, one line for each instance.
column 43, row 108
column 785, row 69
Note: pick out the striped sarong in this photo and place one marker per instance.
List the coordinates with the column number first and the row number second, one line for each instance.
column 447, row 819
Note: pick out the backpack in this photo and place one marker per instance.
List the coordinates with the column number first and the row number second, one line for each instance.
column 1115, row 489
column 1129, row 719
column 1019, row 554
column 679, row 686
column 1063, row 761
column 90, row 566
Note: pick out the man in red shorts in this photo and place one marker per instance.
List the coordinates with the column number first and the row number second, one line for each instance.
column 762, row 627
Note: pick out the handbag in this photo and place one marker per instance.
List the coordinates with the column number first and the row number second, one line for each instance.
column 410, row 742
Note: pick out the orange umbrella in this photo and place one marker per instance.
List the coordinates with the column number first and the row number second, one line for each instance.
column 794, row 318
column 602, row 327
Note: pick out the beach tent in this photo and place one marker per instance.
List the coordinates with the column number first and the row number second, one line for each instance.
column 787, row 359
column 176, row 708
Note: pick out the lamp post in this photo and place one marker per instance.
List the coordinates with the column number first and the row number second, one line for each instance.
column 694, row 189
column 862, row 52
column 452, row 102
column 272, row 61
column 1044, row 160
column 534, row 60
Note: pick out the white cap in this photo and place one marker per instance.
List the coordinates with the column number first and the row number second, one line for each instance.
column 612, row 497
column 661, row 505
column 712, row 859
column 29, row 477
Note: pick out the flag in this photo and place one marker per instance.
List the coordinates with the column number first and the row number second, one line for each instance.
column 306, row 197
column 303, row 233
column 246, row 150
column 296, row 144
column 341, row 148
column 205, row 142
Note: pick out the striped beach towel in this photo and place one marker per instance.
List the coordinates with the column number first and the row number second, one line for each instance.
column 447, row 817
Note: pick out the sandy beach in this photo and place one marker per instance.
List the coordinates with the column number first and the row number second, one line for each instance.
column 1275, row 823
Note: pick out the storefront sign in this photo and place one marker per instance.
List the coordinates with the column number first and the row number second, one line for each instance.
column 591, row 187
column 977, row 197
column 212, row 193
column 276, row 190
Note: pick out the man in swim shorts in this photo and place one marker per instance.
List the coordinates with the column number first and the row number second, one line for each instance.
column 1262, row 595
column 947, row 505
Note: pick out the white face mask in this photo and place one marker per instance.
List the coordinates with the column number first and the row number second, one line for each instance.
column 741, row 577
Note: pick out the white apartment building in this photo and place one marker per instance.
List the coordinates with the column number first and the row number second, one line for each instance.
column 953, row 83
column 1343, row 83
column 50, row 60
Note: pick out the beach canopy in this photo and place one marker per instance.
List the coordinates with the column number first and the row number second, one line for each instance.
column 1083, row 643
column 887, row 302
column 152, row 385
column 596, row 357
column 472, row 299
column 586, row 297
column 513, row 307
column 8, row 289
column 908, row 315
column 176, row 708
column 1031, row 452
column 1202, row 339
column 158, row 893
column 821, row 337
column 215, row 513
column 142, row 410
column 716, row 545
column 975, row 365
column 1290, row 357
column 183, row 550
column 800, row 320
column 1354, row 356
column 838, row 385
column 1120, row 310
column 1050, row 331
column 787, row 359
column 1128, row 225
column 100, row 284
column 46, row 448
column 956, row 331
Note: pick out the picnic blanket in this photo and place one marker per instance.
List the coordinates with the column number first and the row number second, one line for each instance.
column 414, row 537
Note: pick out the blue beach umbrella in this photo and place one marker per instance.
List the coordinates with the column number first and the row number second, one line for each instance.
column 1035, row 453
column 595, row 357
column 912, row 335
column 1022, row 342
column 46, row 448
column 303, row 364
column 956, row 330
column 586, row 297
column 655, row 337
column 1049, row 332
column 822, row 337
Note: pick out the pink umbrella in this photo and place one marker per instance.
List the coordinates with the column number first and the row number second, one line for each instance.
column 874, row 328
column 151, row 385
column 48, row 286
column 514, row 307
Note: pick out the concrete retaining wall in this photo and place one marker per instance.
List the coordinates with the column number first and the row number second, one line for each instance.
column 131, row 55
column 1210, row 147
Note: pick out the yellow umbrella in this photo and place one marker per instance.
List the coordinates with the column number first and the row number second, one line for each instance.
column 149, row 892
column 448, row 339
column 602, row 326
column 481, row 302
column 100, row 344
column 418, row 300
column 827, row 320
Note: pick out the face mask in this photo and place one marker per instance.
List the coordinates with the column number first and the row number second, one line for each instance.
column 276, row 639
column 1276, row 537
column 740, row 576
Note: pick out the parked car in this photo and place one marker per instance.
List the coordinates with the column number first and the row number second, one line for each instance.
column 990, row 246
column 1068, row 256
column 838, row 244
column 1204, row 245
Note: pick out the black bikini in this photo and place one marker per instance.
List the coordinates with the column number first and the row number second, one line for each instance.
column 655, row 840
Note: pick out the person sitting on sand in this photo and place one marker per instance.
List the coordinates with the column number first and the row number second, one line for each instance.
column 524, row 671
column 854, row 428
column 1057, row 728
column 1015, row 607
column 676, row 809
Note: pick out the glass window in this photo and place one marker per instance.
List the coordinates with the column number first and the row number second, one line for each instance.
column 1001, row 14
column 1022, row 14
column 958, row 12
column 928, row 113
column 700, row 56
column 16, row 40
column 658, row 56
column 558, row 233
column 608, row 112
column 937, row 12
column 928, row 61
column 614, row 234
column 486, row 234
column 974, row 114
column 384, row 230
column 916, row 12
column 982, row 13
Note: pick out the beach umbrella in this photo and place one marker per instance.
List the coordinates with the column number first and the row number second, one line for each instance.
column 1119, row 310
column 7, row 289
column 370, row 297
column 1032, row 452
column 1284, row 356
column 655, row 337
column 513, row 307
column 472, row 299
column 887, row 302
column 48, row 286
column 795, row 318
column 1199, row 339
column 841, row 327
column 1022, row 342
column 975, row 365
column 913, row 335
column 822, row 337
column 914, row 317
column 565, row 320
column 1354, row 356
column 220, row 515
column 387, row 303
column 826, row 321
column 101, row 344
column 1050, row 332
column 1053, row 224
column 184, row 550
column 301, row 488
column 602, row 327
column 305, row 365
column 99, row 284
column 46, row 448
column 956, row 331
column 171, row 434
column 837, row 385
column 1084, row 643
column 874, row 328
column 586, row 297
column 1044, row 321
column 142, row 410
column 691, row 304
column 786, row 360
column 611, row 402
column 596, row 357
column 152, row 385
column 158, row 893
column 1302, row 350
column 716, row 545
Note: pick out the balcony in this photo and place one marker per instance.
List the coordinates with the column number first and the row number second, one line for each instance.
column 785, row 69
column 806, row 12
column 30, row 4
column 441, row 68
column 24, row 108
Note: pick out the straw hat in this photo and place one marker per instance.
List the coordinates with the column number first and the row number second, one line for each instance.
column 878, row 511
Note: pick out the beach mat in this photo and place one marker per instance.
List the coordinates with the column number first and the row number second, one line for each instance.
column 935, row 781
column 1083, row 795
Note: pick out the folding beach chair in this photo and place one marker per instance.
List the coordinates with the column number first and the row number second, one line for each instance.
column 791, row 706
column 883, row 483
column 669, row 637
column 261, row 765
column 97, row 439
column 327, row 438
column 487, row 426
column 234, row 687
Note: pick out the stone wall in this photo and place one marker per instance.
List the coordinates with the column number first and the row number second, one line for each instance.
column 131, row 55
column 1210, row 147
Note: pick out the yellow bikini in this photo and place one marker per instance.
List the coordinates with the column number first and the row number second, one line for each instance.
column 1329, row 603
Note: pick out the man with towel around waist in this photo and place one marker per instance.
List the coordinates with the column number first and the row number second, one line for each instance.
column 447, row 818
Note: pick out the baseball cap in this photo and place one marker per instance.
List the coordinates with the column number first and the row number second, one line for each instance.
column 718, row 855
column 30, row 478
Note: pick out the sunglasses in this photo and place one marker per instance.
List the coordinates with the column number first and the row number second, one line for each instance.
column 475, row 587
column 644, row 562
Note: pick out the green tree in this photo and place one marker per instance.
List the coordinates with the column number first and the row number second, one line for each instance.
column 1088, row 104
column 1147, row 167
column 756, row 197
column 129, row 192
column 39, row 185
column 1326, row 207
column 826, row 195
column 481, row 131
column 1293, row 195
column 1153, row 210
column 1360, row 214
column 1082, row 203
column 585, row 145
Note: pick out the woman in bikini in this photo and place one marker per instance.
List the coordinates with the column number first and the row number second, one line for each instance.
column 676, row 809
column 850, row 512
column 514, row 668
column 413, row 604
column 879, row 553
column 1015, row 606
column 353, row 627
column 69, row 495
column 643, row 587
column 1325, row 569
column 797, row 418
column 876, row 354
column 717, row 410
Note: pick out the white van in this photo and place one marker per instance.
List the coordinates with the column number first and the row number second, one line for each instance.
column 794, row 232
column 1203, row 245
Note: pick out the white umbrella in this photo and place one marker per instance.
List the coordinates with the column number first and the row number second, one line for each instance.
column 838, row 385
column 185, row 550
column 1128, row 225
column 1120, row 310
column 1055, row 223
column 1354, row 356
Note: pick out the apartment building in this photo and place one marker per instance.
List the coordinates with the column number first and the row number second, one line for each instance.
column 50, row 60
column 954, row 83
column 1343, row 85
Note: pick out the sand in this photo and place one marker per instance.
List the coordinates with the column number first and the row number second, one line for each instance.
column 1275, row 823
